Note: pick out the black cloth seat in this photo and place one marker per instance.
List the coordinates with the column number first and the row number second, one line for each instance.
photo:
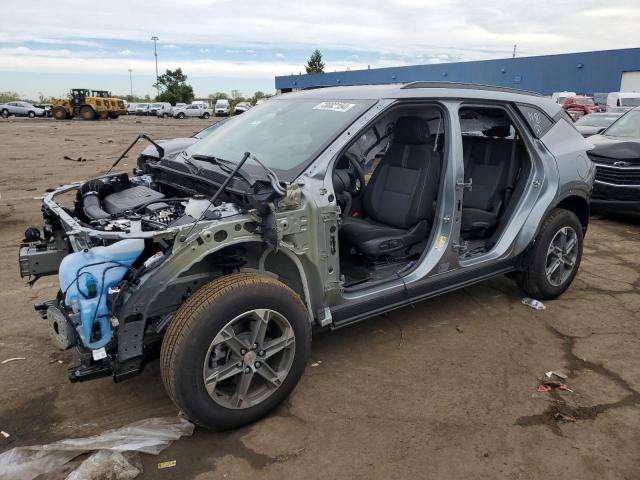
column 399, row 199
column 486, row 162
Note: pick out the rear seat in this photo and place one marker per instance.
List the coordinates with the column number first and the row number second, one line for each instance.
column 486, row 163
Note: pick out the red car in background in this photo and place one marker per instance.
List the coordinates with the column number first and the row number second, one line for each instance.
column 579, row 106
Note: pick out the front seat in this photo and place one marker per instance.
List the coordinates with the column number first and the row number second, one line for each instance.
column 399, row 199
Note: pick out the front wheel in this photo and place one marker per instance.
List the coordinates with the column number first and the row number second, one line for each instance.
column 206, row 115
column 235, row 350
column 181, row 115
column 164, row 115
column 31, row 114
column 552, row 262
column 5, row 113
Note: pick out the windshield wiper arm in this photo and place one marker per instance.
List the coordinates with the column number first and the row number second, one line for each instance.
column 225, row 165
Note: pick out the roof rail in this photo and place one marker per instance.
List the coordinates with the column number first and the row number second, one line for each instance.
column 468, row 86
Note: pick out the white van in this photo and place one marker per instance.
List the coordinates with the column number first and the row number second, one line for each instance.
column 160, row 109
column 622, row 101
column 560, row 97
column 222, row 107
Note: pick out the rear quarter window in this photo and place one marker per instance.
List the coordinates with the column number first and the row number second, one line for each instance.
column 539, row 122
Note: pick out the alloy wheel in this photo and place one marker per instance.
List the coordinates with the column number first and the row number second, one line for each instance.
column 249, row 359
column 561, row 256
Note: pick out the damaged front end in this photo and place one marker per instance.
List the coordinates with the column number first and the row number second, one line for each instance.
column 120, row 250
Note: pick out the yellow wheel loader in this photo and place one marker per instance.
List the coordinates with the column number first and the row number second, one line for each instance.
column 79, row 104
column 115, row 106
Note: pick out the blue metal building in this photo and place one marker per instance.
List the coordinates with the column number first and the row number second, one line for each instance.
column 586, row 72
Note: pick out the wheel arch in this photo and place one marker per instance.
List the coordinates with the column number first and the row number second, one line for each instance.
column 172, row 283
column 577, row 204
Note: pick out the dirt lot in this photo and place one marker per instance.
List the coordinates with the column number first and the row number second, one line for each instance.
column 445, row 390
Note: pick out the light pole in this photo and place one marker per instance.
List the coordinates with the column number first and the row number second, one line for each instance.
column 155, row 52
column 131, row 83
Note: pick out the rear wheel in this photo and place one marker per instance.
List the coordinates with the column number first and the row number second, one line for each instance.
column 206, row 115
column 181, row 115
column 5, row 113
column 552, row 262
column 31, row 114
column 59, row 113
column 87, row 113
column 235, row 350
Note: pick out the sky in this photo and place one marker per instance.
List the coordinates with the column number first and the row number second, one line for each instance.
column 48, row 47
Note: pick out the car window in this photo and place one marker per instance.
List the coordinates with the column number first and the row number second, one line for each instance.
column 595, row 121
column 628, row 126
column 630, row 102
column 284, row 134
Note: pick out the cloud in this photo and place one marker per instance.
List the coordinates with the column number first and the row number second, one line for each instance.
column 280, row 55
column 125, row 52
column 204, row 50
column 171, row 46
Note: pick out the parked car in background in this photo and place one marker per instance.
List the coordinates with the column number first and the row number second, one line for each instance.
column 560, row 97
column 142, row 109
column 579, row 106
column 622, row 101
column 227, row 255
column 616, row 155
column 200, row 111
column 21, row 109
column 222, row 108
column 241, row 108
column 595, row 123
column 160, row 109
column 131, row 108
column 46, row 107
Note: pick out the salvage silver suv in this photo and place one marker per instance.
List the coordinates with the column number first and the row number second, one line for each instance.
column 316, row 209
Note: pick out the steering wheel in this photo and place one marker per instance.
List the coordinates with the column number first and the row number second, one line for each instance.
column 351, row 179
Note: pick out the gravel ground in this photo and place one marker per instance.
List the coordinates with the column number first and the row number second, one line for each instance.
column 444, row 390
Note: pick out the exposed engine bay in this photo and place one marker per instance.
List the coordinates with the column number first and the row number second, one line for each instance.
column 120, row 203
column 107, row 241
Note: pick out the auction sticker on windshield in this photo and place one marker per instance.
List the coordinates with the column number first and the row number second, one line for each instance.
column 335, row 106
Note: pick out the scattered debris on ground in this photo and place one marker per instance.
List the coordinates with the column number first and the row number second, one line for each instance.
column 167, row 464
column 14, row 359
column 79, row 159
column 535, row 304
column 459, row 329
column 114, row 451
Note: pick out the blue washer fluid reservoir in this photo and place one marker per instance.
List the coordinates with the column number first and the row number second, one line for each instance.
column 85, row 278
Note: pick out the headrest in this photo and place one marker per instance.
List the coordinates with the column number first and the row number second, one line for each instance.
column 414, row 130
column 501, row 131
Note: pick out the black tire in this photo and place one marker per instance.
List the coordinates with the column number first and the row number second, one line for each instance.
column 59, row 113
column 196, row 324
column 87, row 113
column 31, row 114
column 181, row 115
column 533, row 279
column 5, row 113
column 113, row 115
column 164, row 115
column 206, row 115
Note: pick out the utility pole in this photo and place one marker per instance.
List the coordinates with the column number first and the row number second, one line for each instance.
column 514, row 51
column 155, row 52
column 131, row 82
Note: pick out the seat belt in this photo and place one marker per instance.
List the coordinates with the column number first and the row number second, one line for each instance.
column 511, row 173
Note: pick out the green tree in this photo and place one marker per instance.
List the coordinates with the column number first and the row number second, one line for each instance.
column 216, row 96
column 315, row 63
column 9, row 97
column 175, row 87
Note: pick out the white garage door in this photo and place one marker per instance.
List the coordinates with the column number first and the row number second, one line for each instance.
column 630, row 82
